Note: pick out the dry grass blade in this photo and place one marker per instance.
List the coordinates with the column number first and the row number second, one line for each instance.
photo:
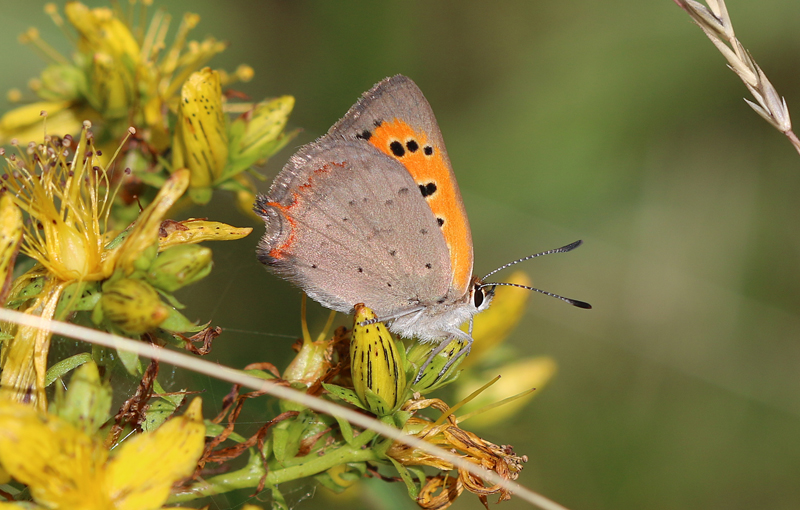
column 716, row 24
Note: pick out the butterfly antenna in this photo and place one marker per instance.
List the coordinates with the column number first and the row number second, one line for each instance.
column 563, row 249
column 573, row 302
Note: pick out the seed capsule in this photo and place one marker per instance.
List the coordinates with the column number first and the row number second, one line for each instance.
column 133, row 306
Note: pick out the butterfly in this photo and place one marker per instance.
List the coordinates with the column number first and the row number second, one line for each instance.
column 371, row 213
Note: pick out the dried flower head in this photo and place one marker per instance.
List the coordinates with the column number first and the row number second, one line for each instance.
column 446, row 433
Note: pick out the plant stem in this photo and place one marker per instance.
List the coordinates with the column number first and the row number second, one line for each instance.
column 250, row 475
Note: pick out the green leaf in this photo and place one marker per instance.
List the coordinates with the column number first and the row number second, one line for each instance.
column 345, row 394
column 346, row 429
column 377, row 404
column 63, row 367
column 278, row 501
column 157, row 413
column 32, row 289
column 178, row 323
column 261, row 374
column 130, row 361
column 405, row 474
column 154, row 179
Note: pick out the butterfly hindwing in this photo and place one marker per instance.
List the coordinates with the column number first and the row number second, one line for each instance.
column 348, row 224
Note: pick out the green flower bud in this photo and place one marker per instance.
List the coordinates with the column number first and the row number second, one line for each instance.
column 179, row 266
column 430, row 379
column 132, row 306
column 258, row 134
column 62, row 82
column 376, row 365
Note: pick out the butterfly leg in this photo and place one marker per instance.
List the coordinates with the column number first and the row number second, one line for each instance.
column 463, row 352
column 448, row 337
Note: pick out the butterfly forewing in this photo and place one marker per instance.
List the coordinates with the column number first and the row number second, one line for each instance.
column 395, row 118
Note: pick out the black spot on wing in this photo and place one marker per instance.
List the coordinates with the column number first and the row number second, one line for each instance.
column 427, row 189
column 397, row 149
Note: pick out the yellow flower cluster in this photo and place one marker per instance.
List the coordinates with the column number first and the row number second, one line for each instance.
column 123, row 73
column 67, row 194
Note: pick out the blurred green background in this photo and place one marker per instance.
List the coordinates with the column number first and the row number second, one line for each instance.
column 614, row 122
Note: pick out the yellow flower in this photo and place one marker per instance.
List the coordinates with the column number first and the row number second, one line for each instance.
column 64, row 468
column 67, row 201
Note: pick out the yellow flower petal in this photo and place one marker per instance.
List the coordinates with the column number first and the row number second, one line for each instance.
column 101, row 32
column 145, row 233
column 193, row 231
column 24, row 358
column 139, row 477
column 25, row 122
column 61, row 465
column 493, row 326
column 10, row 236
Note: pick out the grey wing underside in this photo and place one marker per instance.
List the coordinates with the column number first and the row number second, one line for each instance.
column 347, row 224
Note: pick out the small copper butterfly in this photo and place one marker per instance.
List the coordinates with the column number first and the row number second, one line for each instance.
column 371, row 213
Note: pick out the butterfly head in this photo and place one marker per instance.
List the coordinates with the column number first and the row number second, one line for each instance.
column 480, row 294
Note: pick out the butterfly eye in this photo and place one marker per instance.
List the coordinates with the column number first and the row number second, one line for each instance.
column 477, row 297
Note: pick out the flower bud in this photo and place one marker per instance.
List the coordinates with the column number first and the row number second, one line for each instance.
column 87, row 402
column 62, row 82
column 201, row 138
column 430, row 379
column 112, row 89
column 132, row 306
column 376, row 365
column 179, row 266
column 258, row 134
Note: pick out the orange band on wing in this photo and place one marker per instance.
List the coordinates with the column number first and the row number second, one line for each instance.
column 279, row 252
column 428, row 168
